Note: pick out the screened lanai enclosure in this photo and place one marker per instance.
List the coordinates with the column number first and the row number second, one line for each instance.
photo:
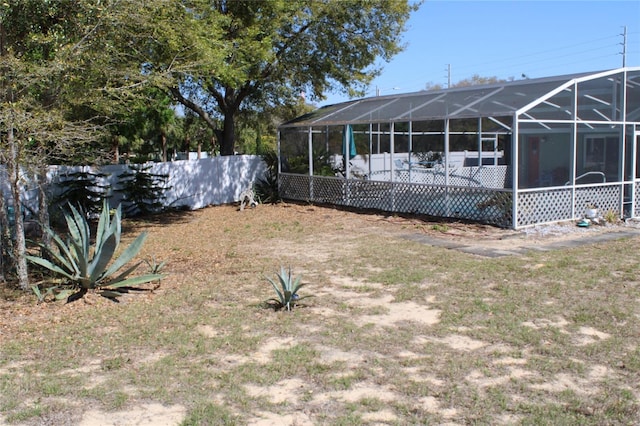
column 512, row 154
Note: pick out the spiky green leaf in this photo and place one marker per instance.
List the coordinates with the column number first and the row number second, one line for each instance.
column 103, row 224
column 278, row 292
column 110, row 294
column 102, row 258
column 50, row 266
column 64, row 258
column 142, row 279
column 64, row 294
column 129, row 253
column 123, row 274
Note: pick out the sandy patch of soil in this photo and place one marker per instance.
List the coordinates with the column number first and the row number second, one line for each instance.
column 591, row 335
column 151, row 414
column 275, row 419
column 539, row 323
column 454, row 341
column 207, row 330
column 331, row 355
column 358, row 392
column 393, row 312
column 264, row 352
column 399, row 312
column 288, row 391
column 380, row 417
column 432, row 405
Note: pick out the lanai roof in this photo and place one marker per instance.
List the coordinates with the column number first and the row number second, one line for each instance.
column 491, row 100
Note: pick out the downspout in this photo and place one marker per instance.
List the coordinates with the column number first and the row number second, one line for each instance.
column 346, row 152
column 634, row 165
column 446, row 153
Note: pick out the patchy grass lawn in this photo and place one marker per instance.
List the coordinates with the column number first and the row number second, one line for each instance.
column 398, row 331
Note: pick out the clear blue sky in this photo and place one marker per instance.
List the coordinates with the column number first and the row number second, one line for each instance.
column 506, row 39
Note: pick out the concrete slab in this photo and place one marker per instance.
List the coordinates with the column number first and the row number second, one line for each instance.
column 477, row 248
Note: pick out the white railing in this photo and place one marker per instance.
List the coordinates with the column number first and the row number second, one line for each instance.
column 482, row 177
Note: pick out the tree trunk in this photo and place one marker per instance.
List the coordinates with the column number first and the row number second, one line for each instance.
column 226, row 136
column 227, row 140
column 258, row 141
column 43, row 212
column 186, row 146
column 5, row 237
column 213, row 146
column 116, row 150
column 20, row 248
column 163, row 140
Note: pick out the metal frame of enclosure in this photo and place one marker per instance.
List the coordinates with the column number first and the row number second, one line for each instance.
column 513, row 154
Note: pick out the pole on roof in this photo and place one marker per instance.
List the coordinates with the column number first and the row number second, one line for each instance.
column 448, row 76
column 624, row 46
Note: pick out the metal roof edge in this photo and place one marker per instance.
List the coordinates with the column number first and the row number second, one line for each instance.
column 563, row 81
column 578, row 79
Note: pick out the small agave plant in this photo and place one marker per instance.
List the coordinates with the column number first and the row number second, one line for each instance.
column 286, row 289
column 88, row 268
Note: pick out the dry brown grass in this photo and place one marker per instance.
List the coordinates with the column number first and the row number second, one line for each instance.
column 398, row 331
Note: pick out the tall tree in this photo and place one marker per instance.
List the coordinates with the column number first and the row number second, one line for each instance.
column 220, row 57
column 58, row 72
column 28, row 31
column 150, row 117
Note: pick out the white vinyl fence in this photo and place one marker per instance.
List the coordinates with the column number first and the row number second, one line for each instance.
column 192, row 184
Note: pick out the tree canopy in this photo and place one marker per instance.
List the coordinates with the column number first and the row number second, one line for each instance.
column 59, row 77
column 218, row 58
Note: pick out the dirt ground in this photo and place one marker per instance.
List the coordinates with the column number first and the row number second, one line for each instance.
column 483, row 240
column 17, row 308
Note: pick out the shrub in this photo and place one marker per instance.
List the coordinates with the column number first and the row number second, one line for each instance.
column 88, row 268
column 266, row 189
column 611, row 217
column 286, row 289
column 142, row 191
column 82, row 189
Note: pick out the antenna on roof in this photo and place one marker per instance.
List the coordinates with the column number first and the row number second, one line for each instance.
column 624, row 47
column 448, row 70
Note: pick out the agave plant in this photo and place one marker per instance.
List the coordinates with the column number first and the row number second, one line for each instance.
column 286, row 289
column 86, row 267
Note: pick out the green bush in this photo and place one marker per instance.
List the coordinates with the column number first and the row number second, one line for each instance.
column 142, row 191
column 266, row 189
column 86, row 267
column 286, row 289
column 82, row 189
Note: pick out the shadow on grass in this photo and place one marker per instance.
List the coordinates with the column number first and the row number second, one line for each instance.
column 161, row 219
